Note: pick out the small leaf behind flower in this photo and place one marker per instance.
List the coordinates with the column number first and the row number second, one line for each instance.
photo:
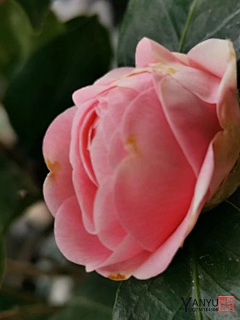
column 208, row 266
column 44, row 86
column 177, row 24
column 36, row 10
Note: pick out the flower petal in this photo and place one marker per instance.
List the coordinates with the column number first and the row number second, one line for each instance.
column 114, row 75
column 161, row 258
column 58, row 184
column 203, row 84
column 150, row 174
column 85, row 189
column 212, row 55
column 99, row 156
column 193, row 122
column 74, row 241
column 124, row 269
column 150, row 52
column 108, row 228
column 100, row 86
column 127, row 249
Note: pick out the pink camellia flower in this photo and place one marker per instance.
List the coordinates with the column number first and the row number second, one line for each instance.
column 133, row 163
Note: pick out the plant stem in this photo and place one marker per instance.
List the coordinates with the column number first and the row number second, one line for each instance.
column 189, row 18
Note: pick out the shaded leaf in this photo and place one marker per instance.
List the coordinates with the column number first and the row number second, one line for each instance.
column 36, row 10
column 9, row 44
column 177, row 24
column 45, row 85
column 207, row 267
column 17, row 39
column 17, row 192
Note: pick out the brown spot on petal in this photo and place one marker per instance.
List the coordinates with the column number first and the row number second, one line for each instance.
column 232, row 54
column 163, row 68
column 171, row 71
column 118, row 277
column 53, row 167
column 131, row 144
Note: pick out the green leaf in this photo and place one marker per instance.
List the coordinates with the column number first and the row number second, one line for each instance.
column 207, row 267
column 93, row 300
column 17, row 39
column 36, row 10
column 45, row 85
column 9, row 44
column 177, row 24
column 17, row 192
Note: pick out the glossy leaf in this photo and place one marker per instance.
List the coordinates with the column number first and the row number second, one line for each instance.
column 177, row 24
column 208, row 266
column 36, row 10
column 93, row 300
column 44, row 87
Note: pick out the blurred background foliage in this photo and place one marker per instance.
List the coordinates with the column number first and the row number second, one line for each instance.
column 48, row 49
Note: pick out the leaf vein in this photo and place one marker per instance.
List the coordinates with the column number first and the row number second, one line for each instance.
column 222, row 25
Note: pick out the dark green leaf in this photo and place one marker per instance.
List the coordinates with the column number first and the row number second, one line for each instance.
column 36, row 10
column 207, row 267
column 119, row 7
column 9, row 44
column 17, row 192
column 93, row 300
column 177, row 24
column 17, row 39
column 45, row 85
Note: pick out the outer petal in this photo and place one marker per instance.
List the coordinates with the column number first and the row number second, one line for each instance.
column 108, row 228
column 193, row 122
column 162, row 257
column 139, row 80
column 203, row 84
column 73, row 240
column 114, row 75
column 58, row 184
column 87, row 93
column 212, row 55
column 228, row 106
column 226, row 144
column 182, row 57
column 150, row 52
column 150, row 173
column 164, row 62
column 124, row 269
column 128, row 249
column 100, row 86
